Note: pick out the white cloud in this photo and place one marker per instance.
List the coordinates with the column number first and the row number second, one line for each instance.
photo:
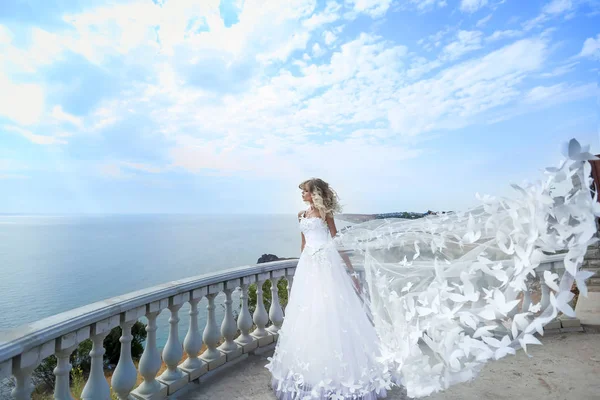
column 435, row 40
column 543, row 97
column 299, row 110
column 132, row 30
column 296, row 42
column 294, row 161
column 559, row 93
column 105, row 116
column 285, row 105
column 328, row 16
column 541, row 93
column 373, row 8
column 466, row 41
column 366, row 82
column 470, row 6
column 22, row 103
column 483, row 21
column 5, row 35
column 422, row 66
column 591, row 48
column 61, row 116
column 329, row 37
column 506, row 34
column 550, row 10
column 317, row 51
column 455, row 95
column 127, row 169
column 558, row 6
column 426, row 5
column 35, row 138
column 560, row 70
column 43, row 49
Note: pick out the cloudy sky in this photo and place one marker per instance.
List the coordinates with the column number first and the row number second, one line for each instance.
column 214, row 106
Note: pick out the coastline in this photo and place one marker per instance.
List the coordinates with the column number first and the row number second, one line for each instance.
column 358, row 218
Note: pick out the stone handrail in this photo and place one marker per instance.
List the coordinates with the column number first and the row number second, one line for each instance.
column 22, row 349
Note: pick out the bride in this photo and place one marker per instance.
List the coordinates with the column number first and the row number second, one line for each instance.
column 444, row 294
column 327, row 347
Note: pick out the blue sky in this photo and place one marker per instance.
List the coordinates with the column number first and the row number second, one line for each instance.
column 224, row 106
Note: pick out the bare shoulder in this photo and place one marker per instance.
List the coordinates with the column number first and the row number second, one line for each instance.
column 300, row 213
column 329, row 219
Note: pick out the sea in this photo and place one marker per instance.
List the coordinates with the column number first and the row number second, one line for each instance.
column 54, row 263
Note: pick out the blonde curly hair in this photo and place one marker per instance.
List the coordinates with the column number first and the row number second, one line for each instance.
column 325, row 199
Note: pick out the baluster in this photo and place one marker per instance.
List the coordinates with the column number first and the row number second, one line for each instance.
column 545, row 294
column 24, row 365
column 192, row 343
column 289, row 274
column 62, row 387
column 228, row 326
column 96, row 387
column 65, row 346
column 125, row 375
column 6, row 368
column 173, row 377
column 211, row 334
column 511, row 294
column 261, row 318
column 244, row 321
column 526, row 299
column 151, row 361
column 275, row 311
column 290, row 281
column 23, row 386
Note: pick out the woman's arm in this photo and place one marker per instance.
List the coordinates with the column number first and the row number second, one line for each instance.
column 333, row 231
column 302, row 234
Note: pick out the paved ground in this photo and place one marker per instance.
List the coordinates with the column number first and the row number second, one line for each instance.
column 566, row 367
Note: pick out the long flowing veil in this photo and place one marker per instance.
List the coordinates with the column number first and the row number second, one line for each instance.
column 449, row 292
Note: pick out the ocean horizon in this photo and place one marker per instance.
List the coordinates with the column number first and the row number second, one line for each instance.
column 54, row 263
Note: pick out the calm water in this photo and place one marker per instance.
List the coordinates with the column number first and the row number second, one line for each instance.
column 50, row 264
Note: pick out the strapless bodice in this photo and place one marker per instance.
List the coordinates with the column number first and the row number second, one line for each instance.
column 316, row 231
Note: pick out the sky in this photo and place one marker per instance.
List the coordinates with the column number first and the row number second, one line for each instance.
column 182, row 106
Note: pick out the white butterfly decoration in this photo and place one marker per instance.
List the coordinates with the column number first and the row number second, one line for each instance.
column 440, row 321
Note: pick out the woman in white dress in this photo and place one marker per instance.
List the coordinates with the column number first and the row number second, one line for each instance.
column 445, row 293
column 327, row 347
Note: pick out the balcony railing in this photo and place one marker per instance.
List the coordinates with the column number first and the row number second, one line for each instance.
column 24, row 348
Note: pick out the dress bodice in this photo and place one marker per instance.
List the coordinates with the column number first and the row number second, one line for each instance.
column 315, row 230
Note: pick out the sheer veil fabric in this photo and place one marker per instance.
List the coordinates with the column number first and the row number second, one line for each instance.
column 446, row 291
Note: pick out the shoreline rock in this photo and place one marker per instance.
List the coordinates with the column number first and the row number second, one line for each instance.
column 265, row 258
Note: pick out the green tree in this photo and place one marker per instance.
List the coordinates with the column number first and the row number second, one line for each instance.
column 43, row 375
column 281, row 290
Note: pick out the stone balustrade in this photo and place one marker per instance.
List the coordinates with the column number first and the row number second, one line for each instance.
column 24, row 348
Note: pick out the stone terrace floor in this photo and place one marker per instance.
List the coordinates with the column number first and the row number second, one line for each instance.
column 566, row 367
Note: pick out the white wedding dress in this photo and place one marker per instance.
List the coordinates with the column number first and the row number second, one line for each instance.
column 445, row 293
column 327, row 347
